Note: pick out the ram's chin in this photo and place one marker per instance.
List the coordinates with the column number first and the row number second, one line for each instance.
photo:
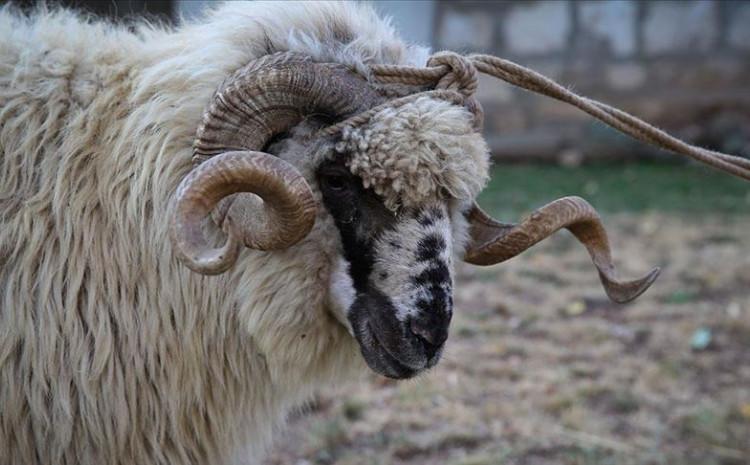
column 378, row 359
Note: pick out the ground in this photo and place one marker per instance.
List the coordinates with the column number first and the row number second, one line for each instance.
column 541, row 368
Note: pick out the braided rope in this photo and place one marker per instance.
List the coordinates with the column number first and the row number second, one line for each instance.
column 448, row 70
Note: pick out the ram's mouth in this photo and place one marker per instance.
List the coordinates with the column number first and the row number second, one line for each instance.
column 379, row 358
column 388, row 344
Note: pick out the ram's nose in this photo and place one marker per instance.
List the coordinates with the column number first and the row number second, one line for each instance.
column 431, row 329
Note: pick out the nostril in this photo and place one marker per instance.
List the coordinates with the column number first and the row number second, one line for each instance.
column 432, row 334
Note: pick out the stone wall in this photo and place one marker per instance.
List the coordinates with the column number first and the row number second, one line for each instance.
column 681, row 64
column 684, row 65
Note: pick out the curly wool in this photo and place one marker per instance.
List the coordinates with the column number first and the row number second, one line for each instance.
column 424, row 150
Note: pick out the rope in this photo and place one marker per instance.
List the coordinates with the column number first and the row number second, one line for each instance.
column 450, row 71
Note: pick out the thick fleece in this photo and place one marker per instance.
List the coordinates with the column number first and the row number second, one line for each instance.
column 110, row 350
column 422, row 151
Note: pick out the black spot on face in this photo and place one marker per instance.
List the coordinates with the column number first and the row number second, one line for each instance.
column 425, row 219
column 430, row 248
column 436, row 274
column 440, row 300
column 429, row 216
column 383, row 275
column 424, row 305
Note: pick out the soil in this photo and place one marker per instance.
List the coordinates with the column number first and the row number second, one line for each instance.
column 541, row 368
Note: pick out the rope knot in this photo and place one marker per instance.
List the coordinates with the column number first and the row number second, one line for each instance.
column 460, row 74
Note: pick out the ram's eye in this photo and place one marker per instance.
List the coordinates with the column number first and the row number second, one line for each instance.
column 336, row 182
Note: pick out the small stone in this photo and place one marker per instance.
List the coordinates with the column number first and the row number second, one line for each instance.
column 575, row 308
column 701, row 340
column 502, row 309
column 734, row 310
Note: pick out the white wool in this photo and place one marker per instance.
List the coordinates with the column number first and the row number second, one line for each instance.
column 421, row 151
column 111, row 351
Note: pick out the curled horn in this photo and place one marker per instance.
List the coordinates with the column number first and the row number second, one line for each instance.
column 261, row 100
column 494, row 242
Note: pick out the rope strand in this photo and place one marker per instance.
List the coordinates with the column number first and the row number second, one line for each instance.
column 448, row 70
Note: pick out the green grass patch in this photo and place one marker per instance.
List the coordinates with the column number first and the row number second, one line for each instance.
column 616, row 187
column 716, row 428
column 682, row 296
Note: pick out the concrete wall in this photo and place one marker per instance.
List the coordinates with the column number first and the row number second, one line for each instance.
column 684, row 65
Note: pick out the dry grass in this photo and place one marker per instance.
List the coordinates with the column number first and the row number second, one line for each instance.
column 541, row 369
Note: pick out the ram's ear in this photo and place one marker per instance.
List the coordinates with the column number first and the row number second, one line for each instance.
column 493, row 242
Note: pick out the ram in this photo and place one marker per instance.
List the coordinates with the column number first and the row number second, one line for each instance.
column 352, row 197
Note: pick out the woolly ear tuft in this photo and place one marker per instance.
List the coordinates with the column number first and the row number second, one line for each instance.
column 424, row 150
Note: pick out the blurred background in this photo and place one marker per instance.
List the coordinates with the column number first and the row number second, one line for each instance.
column 540, row 367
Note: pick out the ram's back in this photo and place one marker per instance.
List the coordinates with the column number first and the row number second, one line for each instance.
column 108, row 350
column 63, row 95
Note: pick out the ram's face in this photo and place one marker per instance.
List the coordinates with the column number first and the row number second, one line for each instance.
column 396, row 284
column 391, row 175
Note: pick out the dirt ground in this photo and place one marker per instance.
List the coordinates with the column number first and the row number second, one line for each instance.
column 541, row 369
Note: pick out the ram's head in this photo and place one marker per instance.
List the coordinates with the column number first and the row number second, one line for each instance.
column 398, row 182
